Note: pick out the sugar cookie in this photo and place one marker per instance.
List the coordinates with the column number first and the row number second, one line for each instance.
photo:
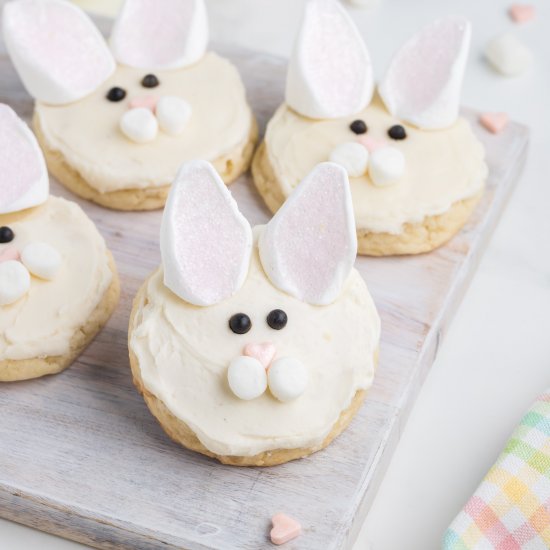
column 116, row 130
column 255, row 346
column 58, row 281
column 416, row 169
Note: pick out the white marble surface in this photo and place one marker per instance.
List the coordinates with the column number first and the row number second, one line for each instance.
column 496, row 357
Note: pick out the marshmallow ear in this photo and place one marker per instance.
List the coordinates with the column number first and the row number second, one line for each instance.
column 56, row 49
column 160, row 34
column 330, row 71
column 23, row 174
column 423, row 83
column 309, row 247
column 205, row 241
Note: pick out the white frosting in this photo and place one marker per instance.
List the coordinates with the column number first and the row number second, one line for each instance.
column 184, row 352
column 57, row 50
column 443, row 166
column 88, row 137
column 42, row 323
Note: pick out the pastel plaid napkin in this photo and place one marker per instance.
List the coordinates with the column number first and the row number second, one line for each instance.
column 511, row 508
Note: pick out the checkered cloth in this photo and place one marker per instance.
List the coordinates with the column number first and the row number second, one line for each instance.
column 511, row 508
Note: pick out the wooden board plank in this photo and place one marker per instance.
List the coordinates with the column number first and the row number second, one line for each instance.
column 81, row 457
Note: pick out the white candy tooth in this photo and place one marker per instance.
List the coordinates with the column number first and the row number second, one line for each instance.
column 287, row 378
column 247, row 378
column 139, row 125
column 15, row 282
column 386, row 166
column 173, row 114
column 41, row 259
column 353, row 156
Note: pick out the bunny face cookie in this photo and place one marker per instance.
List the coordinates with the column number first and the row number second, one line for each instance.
column 416, row 169
column 58, row 283
column 255, row 346
column 114, row 123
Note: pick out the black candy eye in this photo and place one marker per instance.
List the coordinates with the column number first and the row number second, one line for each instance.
column 358, row 127
column 150, row 81
column 116, row 94
column 277, row 319
column 240, row 323
column 6, row 235
column 397, row 132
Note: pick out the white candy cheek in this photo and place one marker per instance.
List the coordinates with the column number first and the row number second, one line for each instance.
column 287, row 378
column 139, row 125
column 173, row 113
column 352, row 156
column 386, row 166
column 42, row 260
column 247, row 378
column 15, row 282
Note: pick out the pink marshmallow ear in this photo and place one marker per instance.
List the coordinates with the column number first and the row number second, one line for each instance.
column 309, row 247
column 56, row 49
column 330, row 71
column 205, row 241
column 423, row 83
column 23, row 174
column 160, row 34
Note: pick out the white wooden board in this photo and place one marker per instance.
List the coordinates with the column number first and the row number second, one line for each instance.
column 80, row 455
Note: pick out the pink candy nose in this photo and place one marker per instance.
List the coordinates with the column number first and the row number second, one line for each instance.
column 264, row 352
column 372, row 144
column 147, row 101
column 9, row 253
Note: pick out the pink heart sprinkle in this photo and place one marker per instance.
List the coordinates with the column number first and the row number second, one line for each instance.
column 147, row 101
column 9, row 253
column 494, row 122
column 371, row 143
column 284, row 529
column 264, row 352
column 521, row 13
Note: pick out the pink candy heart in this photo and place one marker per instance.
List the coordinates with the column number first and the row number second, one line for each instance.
column 146, row 101
column 494, row 122
column 264, row 352
column 521, row 13
column 9, row 253
column 371, row 143
column 284, row 529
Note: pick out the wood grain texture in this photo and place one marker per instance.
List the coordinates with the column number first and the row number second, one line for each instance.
column 82, row 457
